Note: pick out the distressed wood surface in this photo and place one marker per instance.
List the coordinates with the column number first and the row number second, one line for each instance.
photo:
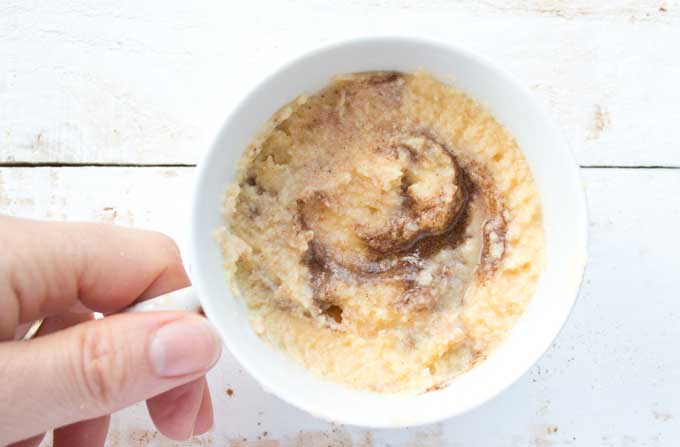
column 150, row 82
column 611, row 378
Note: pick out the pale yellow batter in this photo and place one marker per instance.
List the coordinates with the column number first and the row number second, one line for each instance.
column 386, row 232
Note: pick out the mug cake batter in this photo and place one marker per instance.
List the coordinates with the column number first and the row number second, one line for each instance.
column 385, row 232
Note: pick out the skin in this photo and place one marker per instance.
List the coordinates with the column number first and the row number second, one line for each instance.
column 77, row 371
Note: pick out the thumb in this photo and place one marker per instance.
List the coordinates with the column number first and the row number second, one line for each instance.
column 99, row 367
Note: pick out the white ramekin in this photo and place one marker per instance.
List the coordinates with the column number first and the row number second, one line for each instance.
column 564, row 216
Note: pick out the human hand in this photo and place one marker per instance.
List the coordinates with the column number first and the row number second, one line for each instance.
column 77, row 372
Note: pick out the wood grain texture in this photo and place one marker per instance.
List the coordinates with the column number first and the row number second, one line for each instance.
column 150, row 82
column 610, row 379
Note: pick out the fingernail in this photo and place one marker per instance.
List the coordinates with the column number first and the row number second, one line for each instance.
column 186, row 346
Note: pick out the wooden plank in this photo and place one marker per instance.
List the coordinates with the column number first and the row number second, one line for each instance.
column 155, row 198
column 610, row 379
column 120, row 82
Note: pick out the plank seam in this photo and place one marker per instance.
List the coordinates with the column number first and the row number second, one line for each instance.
column 628, row 167
column 93, row 165
column 193, row 165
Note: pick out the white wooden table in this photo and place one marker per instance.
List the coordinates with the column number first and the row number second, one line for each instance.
column 104, row 109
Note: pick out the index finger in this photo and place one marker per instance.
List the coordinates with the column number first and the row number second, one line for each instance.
column 48, row 266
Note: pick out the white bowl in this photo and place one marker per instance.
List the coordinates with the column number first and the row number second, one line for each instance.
column 564, row 217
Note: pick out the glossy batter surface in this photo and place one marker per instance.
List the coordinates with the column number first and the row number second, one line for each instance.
column 385, row 232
